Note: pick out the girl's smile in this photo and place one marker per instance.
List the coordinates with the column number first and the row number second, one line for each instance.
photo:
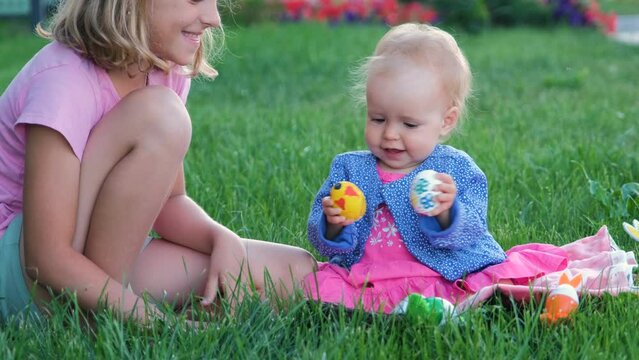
column 192, row 38
column 177, row 27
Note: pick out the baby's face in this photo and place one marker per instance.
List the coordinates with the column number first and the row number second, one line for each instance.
column 408, row 114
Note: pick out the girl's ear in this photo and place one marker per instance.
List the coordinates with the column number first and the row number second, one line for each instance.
column 450, row 120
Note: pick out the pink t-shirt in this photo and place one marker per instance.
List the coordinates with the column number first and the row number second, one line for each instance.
column 64, row 91
column 385, row 243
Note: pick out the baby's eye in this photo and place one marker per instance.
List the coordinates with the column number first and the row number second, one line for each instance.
column 410, row 125
column 377, row 120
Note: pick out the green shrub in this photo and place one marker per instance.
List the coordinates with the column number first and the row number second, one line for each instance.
column 247, row 12
column 469, row 15
column 519, row 12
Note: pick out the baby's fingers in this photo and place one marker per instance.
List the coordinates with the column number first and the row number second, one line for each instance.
column 327, row 202
column 446, row 188
column 333, row 212
column 445, row 178
column 338, row 220
column 445, row 198
column 444, row 203
column 329, row 209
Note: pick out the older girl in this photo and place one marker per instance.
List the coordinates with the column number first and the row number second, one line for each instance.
column 95, row 131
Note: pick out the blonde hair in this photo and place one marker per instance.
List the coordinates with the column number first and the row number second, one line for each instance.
column 422, row 44
column 115, row 35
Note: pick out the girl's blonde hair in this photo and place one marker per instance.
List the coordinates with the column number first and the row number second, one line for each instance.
column 425, row 45
column 115, row 35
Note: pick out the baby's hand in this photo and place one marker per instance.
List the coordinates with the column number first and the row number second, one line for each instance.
column 447, row 194
column 433, row 194
column 333, row 212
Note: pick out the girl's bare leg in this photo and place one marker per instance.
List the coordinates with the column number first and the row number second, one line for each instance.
column 278, row 265
column 129, row 166
column 171, row 272
column 128, row 169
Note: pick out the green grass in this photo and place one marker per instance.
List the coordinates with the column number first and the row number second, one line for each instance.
column 622, row 7
column 549, row 107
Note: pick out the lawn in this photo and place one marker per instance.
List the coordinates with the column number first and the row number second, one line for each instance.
column 553, row 123
column 623, row 7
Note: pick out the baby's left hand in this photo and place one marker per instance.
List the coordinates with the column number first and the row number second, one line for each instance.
column 447, row 193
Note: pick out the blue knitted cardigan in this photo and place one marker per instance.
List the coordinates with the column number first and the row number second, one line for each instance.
column 465, row 246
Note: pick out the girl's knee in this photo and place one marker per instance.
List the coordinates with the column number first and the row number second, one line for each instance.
column 165, row 120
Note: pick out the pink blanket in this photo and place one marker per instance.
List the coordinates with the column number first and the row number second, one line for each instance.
column 604, row 267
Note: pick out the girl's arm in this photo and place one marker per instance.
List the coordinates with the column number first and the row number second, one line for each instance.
column 51, row 188
column 183, row 221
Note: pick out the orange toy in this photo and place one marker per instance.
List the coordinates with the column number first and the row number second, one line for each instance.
column 563, row 300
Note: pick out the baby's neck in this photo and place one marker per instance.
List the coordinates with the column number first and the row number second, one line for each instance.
column 388, row 169
column 384, row 167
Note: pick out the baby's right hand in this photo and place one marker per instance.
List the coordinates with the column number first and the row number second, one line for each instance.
column 333, row 213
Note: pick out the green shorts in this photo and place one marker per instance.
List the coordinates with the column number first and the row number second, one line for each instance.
column 15, row 297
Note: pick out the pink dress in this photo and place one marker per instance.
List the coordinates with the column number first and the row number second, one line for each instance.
column 387, row 272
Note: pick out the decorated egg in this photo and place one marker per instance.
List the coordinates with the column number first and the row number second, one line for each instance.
column 563, row 301
column 350, row 199
column 430, row 310
column 422, row 196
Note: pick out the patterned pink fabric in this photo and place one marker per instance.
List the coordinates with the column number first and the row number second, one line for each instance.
column 604, row 267
column 387, row 272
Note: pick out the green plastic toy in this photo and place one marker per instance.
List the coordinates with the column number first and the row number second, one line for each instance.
column 430, row 310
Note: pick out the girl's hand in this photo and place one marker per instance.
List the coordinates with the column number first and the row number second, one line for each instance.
column 332, row 213
column 227, row 270
column 445, row 199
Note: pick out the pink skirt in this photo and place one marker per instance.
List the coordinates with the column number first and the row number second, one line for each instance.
column 381, row 286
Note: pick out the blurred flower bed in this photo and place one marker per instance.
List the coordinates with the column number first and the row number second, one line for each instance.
column 469, row 15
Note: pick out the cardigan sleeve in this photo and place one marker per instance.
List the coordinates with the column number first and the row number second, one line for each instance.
column 344, row 242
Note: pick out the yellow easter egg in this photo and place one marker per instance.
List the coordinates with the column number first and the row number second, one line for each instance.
column 348, row 197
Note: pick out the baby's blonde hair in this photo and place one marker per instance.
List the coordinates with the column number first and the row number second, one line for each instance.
column 115, row 35
column 424, row 45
